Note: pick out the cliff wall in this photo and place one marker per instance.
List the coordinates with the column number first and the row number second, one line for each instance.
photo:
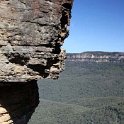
column 96, row 56
column 31, row 35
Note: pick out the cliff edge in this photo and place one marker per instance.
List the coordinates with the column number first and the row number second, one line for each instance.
column 31, row 35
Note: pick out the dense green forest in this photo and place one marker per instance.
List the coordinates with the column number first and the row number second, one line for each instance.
column 85, row 93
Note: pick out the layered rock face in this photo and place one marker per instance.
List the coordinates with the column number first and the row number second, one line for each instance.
column 96, row 57
column 31, row 35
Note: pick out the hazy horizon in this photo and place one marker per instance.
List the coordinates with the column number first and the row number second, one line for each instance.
column 98, row 51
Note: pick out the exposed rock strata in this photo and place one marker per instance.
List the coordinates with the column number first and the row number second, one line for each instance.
column 96, row 57
column 31, row 35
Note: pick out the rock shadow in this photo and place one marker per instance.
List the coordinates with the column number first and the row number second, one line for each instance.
column 18, row 101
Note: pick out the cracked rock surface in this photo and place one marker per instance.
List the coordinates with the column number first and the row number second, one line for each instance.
column 31, row 35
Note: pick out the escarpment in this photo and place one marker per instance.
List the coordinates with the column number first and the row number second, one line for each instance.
column 97, row 56
column 31, row 35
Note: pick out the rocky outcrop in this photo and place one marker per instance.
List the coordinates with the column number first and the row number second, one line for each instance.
column 31, row 35
column 96, row 56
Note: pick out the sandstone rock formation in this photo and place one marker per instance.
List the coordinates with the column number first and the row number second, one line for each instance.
column 31, row 35
column 97, row 57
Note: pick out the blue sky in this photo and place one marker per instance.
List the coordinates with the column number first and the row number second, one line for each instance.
column 96, row 25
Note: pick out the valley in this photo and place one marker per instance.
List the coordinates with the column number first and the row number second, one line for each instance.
column 85, row 93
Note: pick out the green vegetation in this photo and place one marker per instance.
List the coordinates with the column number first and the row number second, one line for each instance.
column 86, row 93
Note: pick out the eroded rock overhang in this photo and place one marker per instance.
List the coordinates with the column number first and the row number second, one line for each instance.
column 31, row 35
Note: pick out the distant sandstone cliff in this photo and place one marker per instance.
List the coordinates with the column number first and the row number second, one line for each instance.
column 96, row 56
